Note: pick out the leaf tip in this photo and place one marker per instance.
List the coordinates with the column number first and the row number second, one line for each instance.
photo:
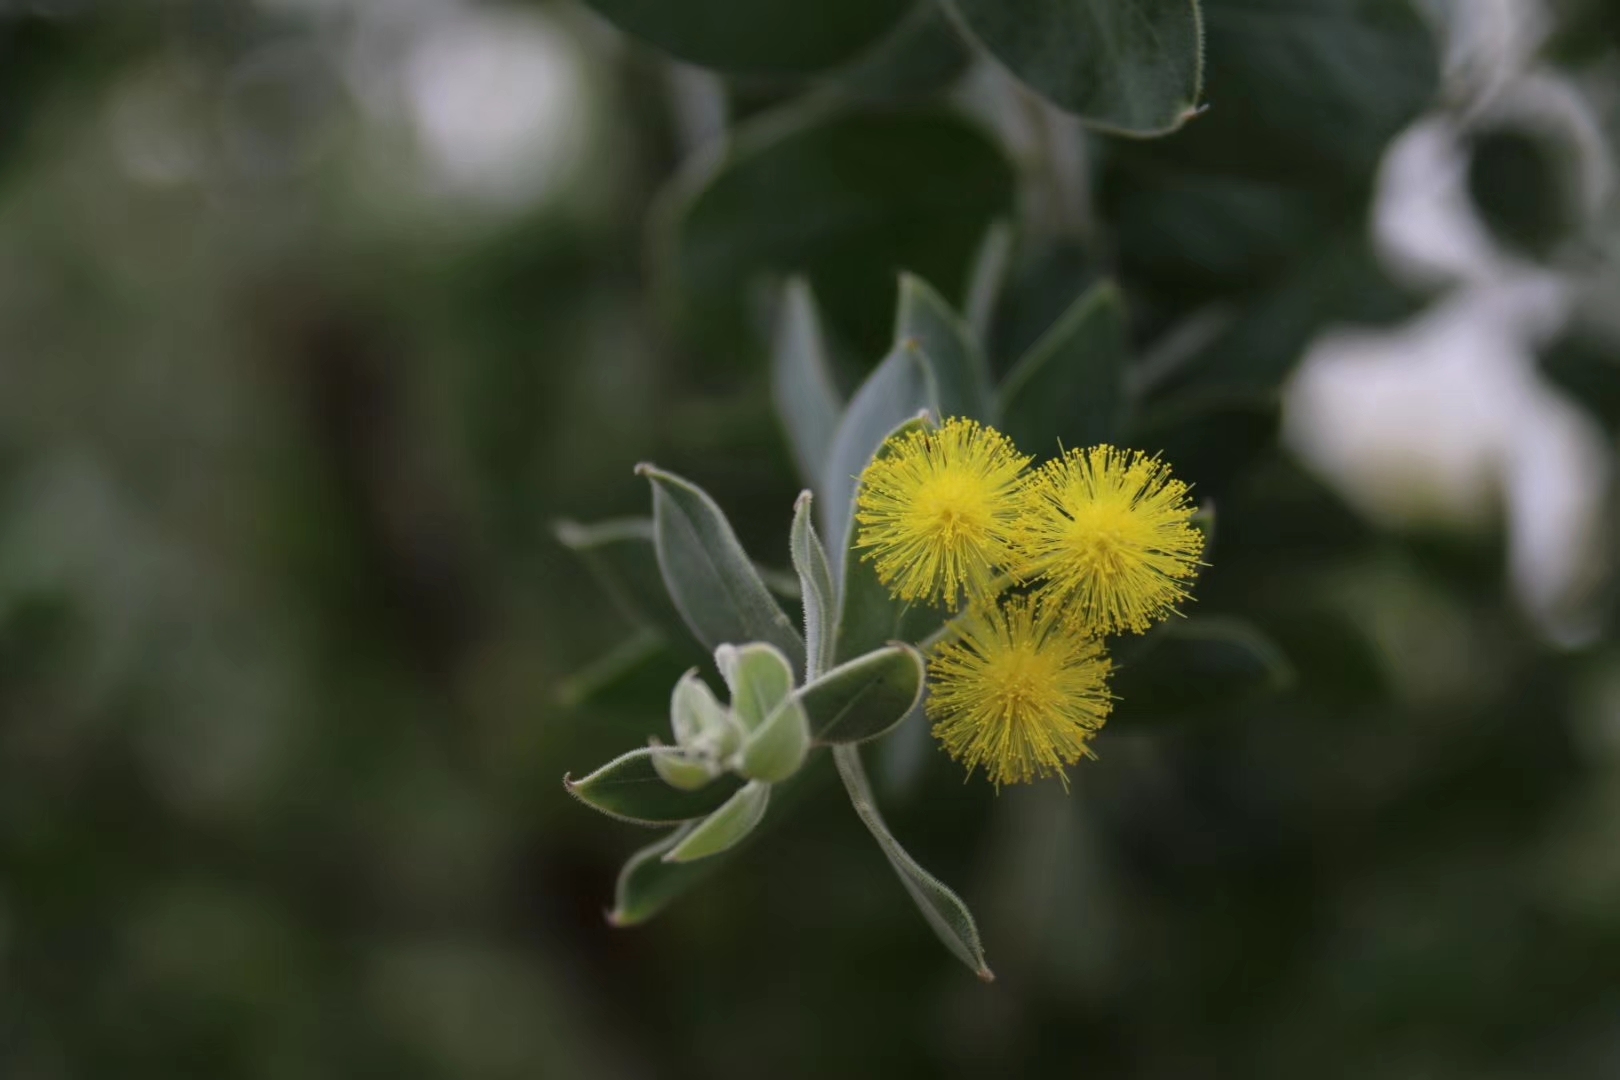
column 985, row 974
column 569, row 783
column 804, row 500
column 646, row 468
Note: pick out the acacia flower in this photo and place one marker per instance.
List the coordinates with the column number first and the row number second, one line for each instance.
column 1111, row 532
column 1018, row 691
column 938, row 510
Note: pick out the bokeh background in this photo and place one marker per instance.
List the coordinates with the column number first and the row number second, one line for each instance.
column 316, row 316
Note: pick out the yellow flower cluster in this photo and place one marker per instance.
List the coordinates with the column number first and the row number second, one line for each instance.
column 1096, row 542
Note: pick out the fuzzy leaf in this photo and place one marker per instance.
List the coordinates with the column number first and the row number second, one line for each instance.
column 867, row 697
column 897, row 390
column 630, row 789
column 943, row 909
column 696, row 714
column 1133, row 66
column 1193, row 667
column 960, row 371
column 715, row 587
column 681, row 771
column 760, row 678
column 619, row 555
column 724, row 828
column 816, row 588
column 802, row 386
column 1069, row 390
column 778, row 749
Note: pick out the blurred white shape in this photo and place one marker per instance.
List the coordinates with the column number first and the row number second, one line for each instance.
column 498, row 101
column 156, row 126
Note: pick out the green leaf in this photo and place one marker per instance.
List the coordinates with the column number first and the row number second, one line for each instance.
column 802, row 386
column 1069, row 390
column 760, row 36
column 1193, row 667
column 778, row 749
column 697, row 718
column 843, row 198
column 816, row 588
column 619, row 555
column 991, row 266
column 617, row 666
column 630, row 789
column 869, row 618
column 680, row 770
column 900, row 388
column 726, row 827
column 867, row 697
column 714, row 585
column 647, row 884
column 942, row 908
column 760, row 678
column 960, row 372
column 1133, row 66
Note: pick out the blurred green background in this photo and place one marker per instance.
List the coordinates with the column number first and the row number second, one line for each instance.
column 317, row 315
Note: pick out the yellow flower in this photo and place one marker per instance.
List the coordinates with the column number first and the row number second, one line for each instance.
column 938, row 510
column 1017, row 691
column 1112, row 534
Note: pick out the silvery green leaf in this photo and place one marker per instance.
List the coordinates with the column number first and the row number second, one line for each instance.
column 868, row 616
column 1195, row 667
column 695, row 714
column 724, row 828
column 816, row 588
column 760, row 678
column 1132, row 66
column 802, row 386
column 990, row 268
column 615, row 667
column 866, row 697
column 709, row 576
column 777, row 750
column 961, row 373
column 1069, row 390
column 679, row 770
column 900, row 388
column 630, row 789
column 943, row 909
column 647, row 884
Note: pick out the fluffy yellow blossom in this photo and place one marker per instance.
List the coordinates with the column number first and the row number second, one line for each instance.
column 938, row 510
column 1111, row 533
column 1018, row 691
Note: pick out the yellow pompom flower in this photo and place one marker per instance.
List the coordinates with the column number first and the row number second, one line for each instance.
column 938, row 510
column 1111, row 532
column 1018, row 691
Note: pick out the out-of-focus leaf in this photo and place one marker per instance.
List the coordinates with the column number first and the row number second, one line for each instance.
column 778, row 749
column 807, row 399
column 620, row 556
column 1041, row 285
column 709, row 576
column 630, row 789
column 611, row 669
column 1069, row 391
column 726, row 827
column 868, row 617
column 1585, row 363
column 943, row 909
column 897, row 390
column 961, row 374
column 1194, row 667
column 816, row 587
column 867, row 697
column 760, row 678
column 761, row 36
column 991, row 266
column 920, row 56
column 1132, row 66
column 845, row 199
